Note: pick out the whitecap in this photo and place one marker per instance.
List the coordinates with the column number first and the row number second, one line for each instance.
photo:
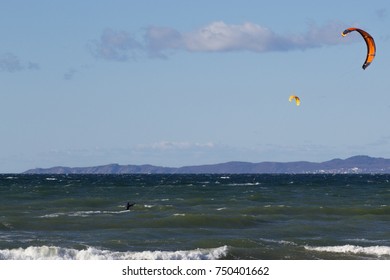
column 83, row 213
column 243, row 184
column 91, row 253
column 51, row 179
column 148, row 206
column 53, row 215
column 371, row 250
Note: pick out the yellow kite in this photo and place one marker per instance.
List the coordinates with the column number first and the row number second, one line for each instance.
column 297, row 100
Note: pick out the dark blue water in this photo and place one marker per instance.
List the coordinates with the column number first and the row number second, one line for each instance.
column 195, row 217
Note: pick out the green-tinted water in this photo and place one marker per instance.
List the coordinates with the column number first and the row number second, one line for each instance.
column 195, row 216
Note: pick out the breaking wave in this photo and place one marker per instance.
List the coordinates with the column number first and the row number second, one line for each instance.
column 91, row 253
column 379, row 251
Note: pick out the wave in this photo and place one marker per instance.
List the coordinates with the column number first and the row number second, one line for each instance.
column 51, row 179
column 243, row 184
column 379, row 251
column 82, row 213
column 91, row 253
column 6, row 225
column 281, row 242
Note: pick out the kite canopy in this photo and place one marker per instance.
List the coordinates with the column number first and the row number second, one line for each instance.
column 371, row 48
column 297, row 100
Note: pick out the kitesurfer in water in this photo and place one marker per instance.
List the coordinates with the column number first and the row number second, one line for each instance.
column 128, row 205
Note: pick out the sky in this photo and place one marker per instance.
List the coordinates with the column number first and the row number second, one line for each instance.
column 177, row 82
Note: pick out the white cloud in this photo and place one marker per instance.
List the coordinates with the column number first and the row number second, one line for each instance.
column 162, row 38
column 219, row 36
column 114, row 45
column 9, row 62
column 215, row 37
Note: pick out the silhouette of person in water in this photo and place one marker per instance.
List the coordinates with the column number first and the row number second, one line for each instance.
column 128, row 205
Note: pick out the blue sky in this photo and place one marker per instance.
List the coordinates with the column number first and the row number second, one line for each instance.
column 178, row 83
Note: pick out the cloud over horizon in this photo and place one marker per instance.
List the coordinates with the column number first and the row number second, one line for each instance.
column 172, row 145
column 217, row 36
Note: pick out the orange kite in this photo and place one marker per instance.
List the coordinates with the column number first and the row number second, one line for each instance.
column 371, row 48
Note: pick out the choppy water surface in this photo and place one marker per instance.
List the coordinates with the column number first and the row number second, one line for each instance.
column 195, row 217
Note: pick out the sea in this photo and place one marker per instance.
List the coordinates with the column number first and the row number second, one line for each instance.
column 195, row 217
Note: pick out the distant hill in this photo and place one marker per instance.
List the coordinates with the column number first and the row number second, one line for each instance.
column 356, row 164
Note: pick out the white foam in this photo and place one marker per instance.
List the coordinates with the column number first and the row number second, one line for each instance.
column 364, row 240
column 51, row 179
column 244, row 184
column 282, row 242
column 371, row 250
column 82, row 213
column 58, row 253
column 54, row 215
